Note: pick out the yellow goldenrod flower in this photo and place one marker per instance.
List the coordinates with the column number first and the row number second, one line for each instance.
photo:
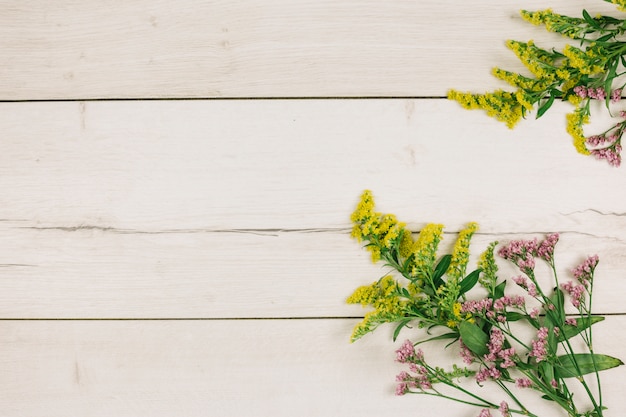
column 460, row 253
column 575, row 122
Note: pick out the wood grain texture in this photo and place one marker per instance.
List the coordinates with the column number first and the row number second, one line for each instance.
column 260, row 48
column 226, row 368
column 226, row 209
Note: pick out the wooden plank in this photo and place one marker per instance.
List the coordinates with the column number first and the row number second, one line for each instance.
column 215, row 165
column 258, row 48
column 241, row 208
column 226, row 368
column 95, row 274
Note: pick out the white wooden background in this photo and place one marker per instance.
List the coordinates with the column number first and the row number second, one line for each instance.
column 177, row 257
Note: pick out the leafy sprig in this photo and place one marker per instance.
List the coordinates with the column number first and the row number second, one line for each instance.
column 588, row 71
column 433, row 292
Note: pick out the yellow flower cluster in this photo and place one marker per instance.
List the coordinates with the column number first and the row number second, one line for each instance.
column 575, row 122
column 519, row 81
column 584, row 61
column 538, row 61
column 381, row 295
column 425, row 249
column 500, row 104
column 382, row 230
column 621, row 4
column 460, row 253
column 565, row 25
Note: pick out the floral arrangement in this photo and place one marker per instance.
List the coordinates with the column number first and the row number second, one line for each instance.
column 433, row 292
column 579, row 74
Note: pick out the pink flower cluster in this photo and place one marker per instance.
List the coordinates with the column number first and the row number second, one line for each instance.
column 584, row 272
column 525, row 284
column 523, row 383
column 539, row 351
column 406, row 381
column 597, row 93
column 466, row 353
column 546, row 249
column 522, row 252
column 504, row 409
column 612, row 155
column 407, row 354
column 575, row 291
column 486, row 373
column 477, row 306
column 495, row 345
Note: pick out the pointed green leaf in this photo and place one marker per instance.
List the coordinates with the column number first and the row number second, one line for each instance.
column 402, row 324
column 498, row 291
column 469, row 281
column 474, row 338
column 578, row 364
column 440, row 269
column 590, row 21
column 444, row 336
column 545, row 106
column 514, row 316
column 582, row 323
column 557, row 316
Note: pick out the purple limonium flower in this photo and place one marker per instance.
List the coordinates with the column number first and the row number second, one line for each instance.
column 406, row 353
column 504, row 409
column 484, row 413
column 539, row 351
column 576, row 292
column 584, row 272
column 616, row 95
column 546, row 249
column 466, row 354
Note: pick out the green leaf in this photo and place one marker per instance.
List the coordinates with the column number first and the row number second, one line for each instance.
column 590, row 21
column 514, row 316
column 578, row 364
column 604, row 38
column 582, row 323
column 402, row 324
column 469, row 281
column 545, row 106
column 451, row 335
column 474, row 338
column 498, row 291
column 440, row 269
column 557, row 316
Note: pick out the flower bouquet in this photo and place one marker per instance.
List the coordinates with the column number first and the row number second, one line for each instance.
column 432, row 293
column 589, row 71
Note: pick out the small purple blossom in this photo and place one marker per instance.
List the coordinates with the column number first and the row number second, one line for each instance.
column 581, row 91
column 611, row 155
column 534, row 313
column 546, row 249
column 616, row 95
column 406, row 353
column 575, row 291
column 484, row 413
column 516, row 301
column 571, row 321
column 466, row 354
column 539, row 351
column 504, row 409
column 477, row 306
column 488, row 373
column 584, row 272
column 525, row 284
column 523, row 383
